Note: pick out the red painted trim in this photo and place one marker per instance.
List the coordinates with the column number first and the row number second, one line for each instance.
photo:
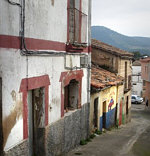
column 30, row 84
column 7, row 41
column 46, row 104
column 65, row 79
column 34, row 44
column 34, row 82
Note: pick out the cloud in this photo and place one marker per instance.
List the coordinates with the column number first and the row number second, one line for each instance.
column 130, row 17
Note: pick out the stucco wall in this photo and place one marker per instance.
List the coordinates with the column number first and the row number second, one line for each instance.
column 42, row 19
column 108, row 95
column 121, row 71
column 93, row 97
column 121, row 103
column 146, row 71
column 127, row 116
column 105, row 59
column 137, row 82
column 12, row 72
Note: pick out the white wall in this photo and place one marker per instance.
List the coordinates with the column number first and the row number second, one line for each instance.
column 42, row 21
column 13, row 70
column 137, row 82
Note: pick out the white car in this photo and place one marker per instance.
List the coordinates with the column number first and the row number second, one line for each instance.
column 136, row 99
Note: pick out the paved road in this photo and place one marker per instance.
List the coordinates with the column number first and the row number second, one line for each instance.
column 132, row 139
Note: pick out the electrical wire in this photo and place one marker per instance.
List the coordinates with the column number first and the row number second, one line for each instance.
column 14, row 3
column 24, row 50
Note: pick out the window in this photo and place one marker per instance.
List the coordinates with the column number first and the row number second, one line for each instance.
column 77, row 23
column 129, row 82
column 125, row 75
column 71, row 96
column 133, row 97
column 143, row 82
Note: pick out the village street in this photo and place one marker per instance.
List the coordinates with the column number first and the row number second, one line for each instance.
column 132, row 139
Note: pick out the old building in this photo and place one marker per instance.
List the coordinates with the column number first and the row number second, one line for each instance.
column 106, row 89
column 137, row 83
column 120, row 62
column 44, row 75
column 145, row 63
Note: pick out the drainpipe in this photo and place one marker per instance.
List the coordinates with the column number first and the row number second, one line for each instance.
column 89, row 62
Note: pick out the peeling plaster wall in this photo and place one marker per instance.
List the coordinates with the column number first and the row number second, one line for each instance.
column 12, row 72
column 93, row 97
column 44, row 20
column 127, row 117
column 120, row 99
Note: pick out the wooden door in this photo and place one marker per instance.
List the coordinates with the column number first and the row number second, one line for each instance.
column 127, row 104
column 104, row 114
column 120, row 114
column 95, row 113
column 38, row 117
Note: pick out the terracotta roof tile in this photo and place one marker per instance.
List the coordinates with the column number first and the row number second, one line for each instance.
column 101, row 78
column 145, row 60
column 109, row 48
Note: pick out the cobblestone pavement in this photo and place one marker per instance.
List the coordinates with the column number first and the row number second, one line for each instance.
column 132, row 139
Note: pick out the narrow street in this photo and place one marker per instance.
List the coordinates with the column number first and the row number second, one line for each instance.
column 132, row 139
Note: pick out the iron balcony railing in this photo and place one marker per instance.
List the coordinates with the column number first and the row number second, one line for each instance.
column 77, row 26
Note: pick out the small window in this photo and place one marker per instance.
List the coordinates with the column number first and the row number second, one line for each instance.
column 143, row 82
column 71, row 96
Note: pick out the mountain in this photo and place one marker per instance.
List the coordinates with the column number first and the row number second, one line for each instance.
column 131, row 44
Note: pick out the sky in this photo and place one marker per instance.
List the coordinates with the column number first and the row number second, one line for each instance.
column 128, row 17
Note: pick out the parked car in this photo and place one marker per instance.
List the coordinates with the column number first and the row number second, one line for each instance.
column 136, row 99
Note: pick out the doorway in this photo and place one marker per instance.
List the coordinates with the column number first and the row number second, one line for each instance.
column 1, row 128
column 104, row 114
column 127, row 104
column 36, row 122
column 120, row 113
column 95, row 118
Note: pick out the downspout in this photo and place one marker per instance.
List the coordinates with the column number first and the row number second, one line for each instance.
column 89, row 63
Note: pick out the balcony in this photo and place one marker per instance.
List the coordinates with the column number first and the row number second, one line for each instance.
column 77, row 30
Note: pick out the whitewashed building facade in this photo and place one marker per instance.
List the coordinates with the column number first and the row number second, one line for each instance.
column 44, row 75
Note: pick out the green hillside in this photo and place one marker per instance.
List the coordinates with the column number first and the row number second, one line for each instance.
column 131, row 44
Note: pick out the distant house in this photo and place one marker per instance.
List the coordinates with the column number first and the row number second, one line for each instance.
column 106, row 88
column 137, row 82
column 146, row 79
column 120, row 62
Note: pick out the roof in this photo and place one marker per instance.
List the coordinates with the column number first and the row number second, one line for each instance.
column 136, row 63
column 101, row 78
column 145, row 60
column 116, row 51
